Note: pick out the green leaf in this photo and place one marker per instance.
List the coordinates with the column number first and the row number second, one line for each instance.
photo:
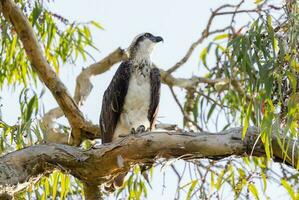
column 55, row 176
column 193, row 184
column 289, row 188
column 203, row 55
column 144, row 189
column 31, row 105
column 212, row 182
column 96, row 24
column 220, row 178
column 12, row 47
column 264, row 179
column 36, row 12
column 258, row 1
column 246, row 120
column 62, row 186
column 253, row 190
column 222, row 36
column 211, row 111
column 87, row 32
column 292, row 79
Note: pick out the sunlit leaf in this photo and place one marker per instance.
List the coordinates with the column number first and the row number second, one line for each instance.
column 253, row 191
column 221, row 36
column 289, row 188
column 246, row 120
column 258, row 1
column 55, row 177
column 96, row 24
column 193, row 184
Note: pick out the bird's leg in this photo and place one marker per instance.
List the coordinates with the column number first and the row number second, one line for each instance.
column 140, row 129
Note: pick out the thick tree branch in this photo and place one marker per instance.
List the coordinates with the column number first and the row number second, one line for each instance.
column 92, row 192
column 101, row 163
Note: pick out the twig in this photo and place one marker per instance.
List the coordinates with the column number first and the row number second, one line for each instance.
column 187, row 118
column 206, row 33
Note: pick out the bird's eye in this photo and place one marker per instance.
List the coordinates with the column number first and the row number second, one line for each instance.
column 147, row 35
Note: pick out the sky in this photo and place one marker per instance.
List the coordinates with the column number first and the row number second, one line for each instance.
column 180, row 23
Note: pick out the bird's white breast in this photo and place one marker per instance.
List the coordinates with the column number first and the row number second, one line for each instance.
column 136, row 104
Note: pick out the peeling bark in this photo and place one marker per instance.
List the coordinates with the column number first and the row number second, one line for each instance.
column 101, row 163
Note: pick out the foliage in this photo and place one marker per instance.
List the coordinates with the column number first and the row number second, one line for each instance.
column 260, row 74
column 258, row 66
column 62, row 41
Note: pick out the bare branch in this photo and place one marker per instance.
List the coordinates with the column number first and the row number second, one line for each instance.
column 205, row 34
column 186, row 83
column 186, row 117
column 52, row 134
column 84, row 86
column 99, row 164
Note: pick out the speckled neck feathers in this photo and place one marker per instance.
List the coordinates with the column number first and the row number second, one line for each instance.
column 141, row 66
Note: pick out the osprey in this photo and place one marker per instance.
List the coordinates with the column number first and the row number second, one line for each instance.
column 130, row 102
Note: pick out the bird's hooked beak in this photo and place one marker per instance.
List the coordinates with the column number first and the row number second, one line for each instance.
column 156, row 39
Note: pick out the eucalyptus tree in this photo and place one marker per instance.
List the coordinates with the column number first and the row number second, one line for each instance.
column 250, row 93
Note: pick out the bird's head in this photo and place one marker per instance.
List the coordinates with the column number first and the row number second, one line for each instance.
column 142, row 46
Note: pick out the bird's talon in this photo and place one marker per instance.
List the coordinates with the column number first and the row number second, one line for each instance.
column 140, row 129
column 133, row 131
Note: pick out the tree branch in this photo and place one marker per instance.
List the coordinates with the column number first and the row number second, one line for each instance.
column 84, row 86
column 102, row 163
column 92, row 192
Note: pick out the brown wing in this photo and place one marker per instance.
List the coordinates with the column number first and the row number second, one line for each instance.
column 155, row 96
column 113, row 101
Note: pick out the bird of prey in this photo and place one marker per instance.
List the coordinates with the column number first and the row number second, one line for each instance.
column 130, row 103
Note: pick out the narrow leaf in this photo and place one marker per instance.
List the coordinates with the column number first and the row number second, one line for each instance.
column 246, row 121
